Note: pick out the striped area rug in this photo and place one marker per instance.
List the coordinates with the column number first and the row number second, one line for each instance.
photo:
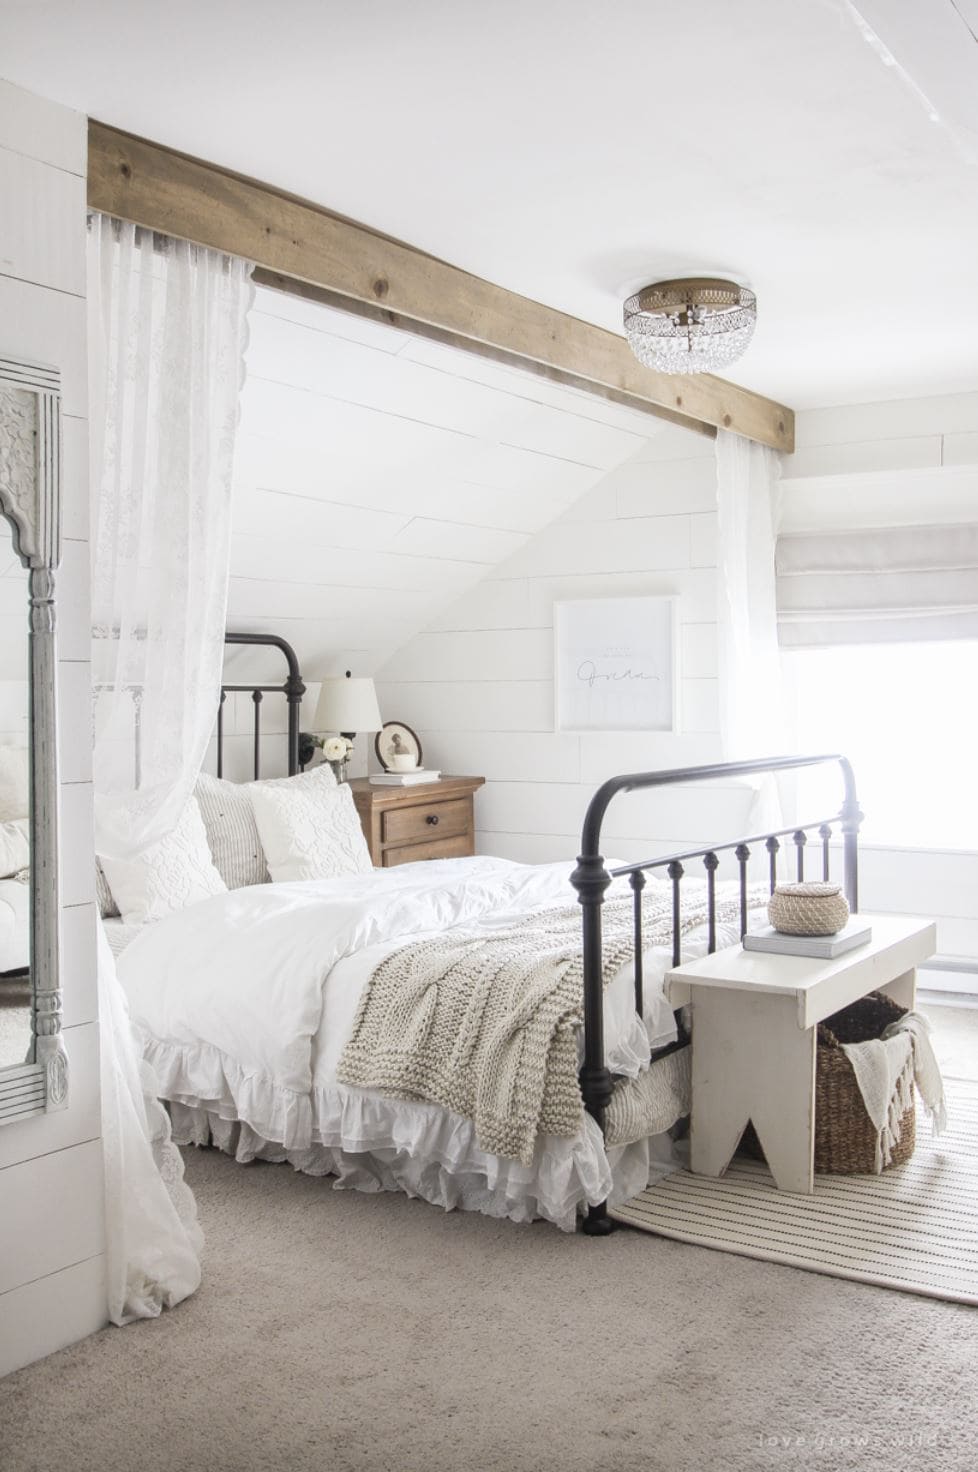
column 914, row 1228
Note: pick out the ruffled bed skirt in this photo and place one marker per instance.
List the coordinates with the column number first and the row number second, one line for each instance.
column 437, row 1161
column 372, row 1142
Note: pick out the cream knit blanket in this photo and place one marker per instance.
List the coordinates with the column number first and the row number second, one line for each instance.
column 485, row 1024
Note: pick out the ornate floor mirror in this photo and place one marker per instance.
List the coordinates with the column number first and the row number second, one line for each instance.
column 33, row 1064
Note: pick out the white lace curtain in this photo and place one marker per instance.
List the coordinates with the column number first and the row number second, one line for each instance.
column 752, row 712
column 167, row 328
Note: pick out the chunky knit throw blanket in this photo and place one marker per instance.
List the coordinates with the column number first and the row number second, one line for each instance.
column 485, row 1024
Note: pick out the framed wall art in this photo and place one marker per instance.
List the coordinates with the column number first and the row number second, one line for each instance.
column 615, row 664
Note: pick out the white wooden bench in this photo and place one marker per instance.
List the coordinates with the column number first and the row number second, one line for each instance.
column 755, row 1025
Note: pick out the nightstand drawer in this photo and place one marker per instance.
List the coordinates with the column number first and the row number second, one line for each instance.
column 442, row 848
column 432, row 821
column 402, row 825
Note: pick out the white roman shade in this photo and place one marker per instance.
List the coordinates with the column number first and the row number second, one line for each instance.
column 877, row 584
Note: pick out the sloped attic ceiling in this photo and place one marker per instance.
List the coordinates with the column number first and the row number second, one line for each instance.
column 379, row 476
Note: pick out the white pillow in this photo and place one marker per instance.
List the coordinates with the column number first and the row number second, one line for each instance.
column 309, row 834
column 14, row 779
column 172, row 874
column 229, row 819
column 15, row 847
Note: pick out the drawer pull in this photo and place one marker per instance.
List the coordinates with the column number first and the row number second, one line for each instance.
column 432, row 818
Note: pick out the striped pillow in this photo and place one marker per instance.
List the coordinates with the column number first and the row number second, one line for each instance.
column 107, row 907
column 232, row 834
column 229, row 820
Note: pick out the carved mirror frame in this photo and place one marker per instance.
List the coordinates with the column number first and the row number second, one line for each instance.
column 30, row 499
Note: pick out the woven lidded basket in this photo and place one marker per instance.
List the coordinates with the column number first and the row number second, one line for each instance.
column 808, row 909
column 845, row 1137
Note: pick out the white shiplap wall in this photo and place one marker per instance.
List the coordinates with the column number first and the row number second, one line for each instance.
column 478, row 682
column 378, row 477
column 52, row 1239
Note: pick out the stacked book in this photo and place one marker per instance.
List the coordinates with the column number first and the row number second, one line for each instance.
column 404, row 779
column 822, row 947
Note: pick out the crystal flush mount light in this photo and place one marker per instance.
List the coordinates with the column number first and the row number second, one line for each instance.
column 694, row 325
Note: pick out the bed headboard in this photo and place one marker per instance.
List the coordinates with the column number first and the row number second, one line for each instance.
column 292, row 688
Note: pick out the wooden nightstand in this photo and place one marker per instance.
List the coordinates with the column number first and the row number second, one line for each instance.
column 431, row 820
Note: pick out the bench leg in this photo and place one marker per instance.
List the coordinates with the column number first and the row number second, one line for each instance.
column 902, row 990
column 751, row 1061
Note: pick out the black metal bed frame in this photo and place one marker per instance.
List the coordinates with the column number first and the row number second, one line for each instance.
column 592, row 877
column 292, row 688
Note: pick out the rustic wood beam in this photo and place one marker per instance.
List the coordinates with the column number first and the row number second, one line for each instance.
column 358, row 269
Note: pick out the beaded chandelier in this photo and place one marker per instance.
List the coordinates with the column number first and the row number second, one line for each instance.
column 694, row 325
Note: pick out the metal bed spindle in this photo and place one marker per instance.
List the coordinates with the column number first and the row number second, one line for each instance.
column 800, row 838
column 220, row 733
column 637, row 881
column 591, row 879
column 256, row 696
column 675, row 872
column 742, row 855
column 711, row 863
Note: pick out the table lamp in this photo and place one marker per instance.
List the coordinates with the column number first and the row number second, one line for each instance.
column 347, row 706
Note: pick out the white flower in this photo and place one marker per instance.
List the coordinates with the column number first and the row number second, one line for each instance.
column 336, row 748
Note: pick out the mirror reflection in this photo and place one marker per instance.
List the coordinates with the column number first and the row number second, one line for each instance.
column 15, row 985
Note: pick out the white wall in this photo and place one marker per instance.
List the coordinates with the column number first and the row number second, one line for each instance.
column 52, row 1237
column 897, row 461
column 478, row 683
column 378, row 476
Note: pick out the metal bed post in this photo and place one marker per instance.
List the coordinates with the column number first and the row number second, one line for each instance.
column 851, row 817
column 292, row 688
column 591, row 879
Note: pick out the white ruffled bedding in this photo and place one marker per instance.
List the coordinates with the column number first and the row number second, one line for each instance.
column 244, row 1002
column 15, row 928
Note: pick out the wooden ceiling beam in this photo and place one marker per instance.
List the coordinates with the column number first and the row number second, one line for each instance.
column 300, row 246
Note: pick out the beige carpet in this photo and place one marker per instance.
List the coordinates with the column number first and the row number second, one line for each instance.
column 336, row 1332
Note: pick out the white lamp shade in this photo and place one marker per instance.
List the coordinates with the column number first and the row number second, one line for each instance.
column 347, row 705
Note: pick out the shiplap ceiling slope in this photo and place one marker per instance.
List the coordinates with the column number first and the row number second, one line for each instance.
column 571, row 151
column 379, row 476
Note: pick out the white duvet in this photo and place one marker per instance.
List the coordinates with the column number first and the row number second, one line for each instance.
column 244, row 1002
column 15, row 939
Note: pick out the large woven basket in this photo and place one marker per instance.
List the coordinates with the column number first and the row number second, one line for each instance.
column 845, row 1138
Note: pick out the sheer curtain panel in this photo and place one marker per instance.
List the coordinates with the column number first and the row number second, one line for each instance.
column 752, row 707
column 167, row 333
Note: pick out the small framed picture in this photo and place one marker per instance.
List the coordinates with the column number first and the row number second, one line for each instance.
column 615, row 664
column 397, row 747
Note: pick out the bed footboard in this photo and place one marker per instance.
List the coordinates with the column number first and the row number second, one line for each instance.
column 592, row 877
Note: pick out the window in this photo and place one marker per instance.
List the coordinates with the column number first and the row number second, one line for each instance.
column 906, row 716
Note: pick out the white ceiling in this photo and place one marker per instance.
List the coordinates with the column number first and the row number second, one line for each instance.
column 572, row 150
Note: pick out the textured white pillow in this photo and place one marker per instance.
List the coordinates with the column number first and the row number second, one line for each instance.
column 308, row 833
column 14, row 778
column 15, row 848
column 172, row 874
column 229, row 819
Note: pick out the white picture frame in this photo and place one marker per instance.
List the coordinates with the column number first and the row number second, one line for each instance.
column 615, row 664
